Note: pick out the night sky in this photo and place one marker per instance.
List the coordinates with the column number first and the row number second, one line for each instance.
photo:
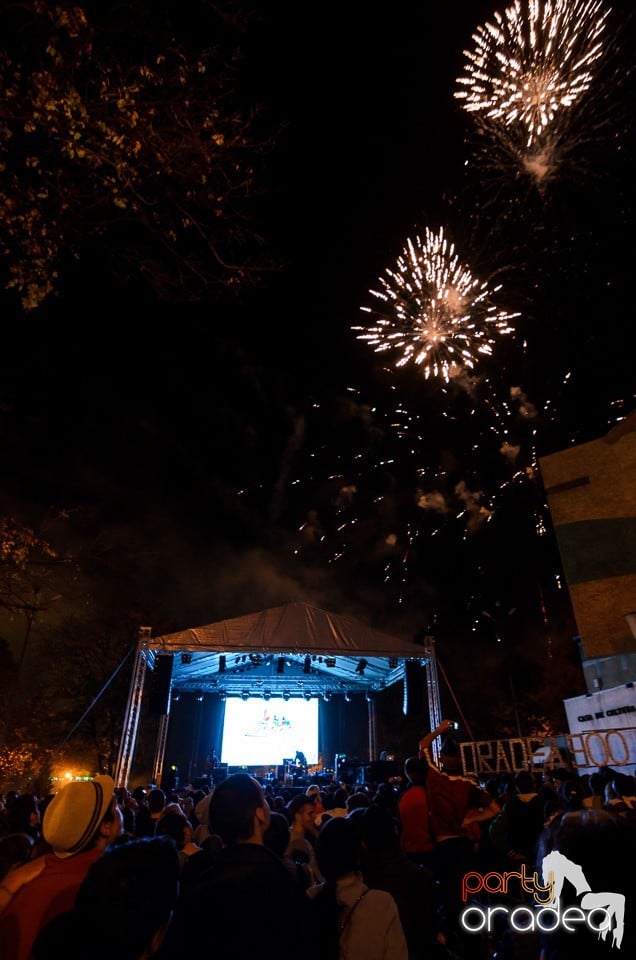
column 252, row 451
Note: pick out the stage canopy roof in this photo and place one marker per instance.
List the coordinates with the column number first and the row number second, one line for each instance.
column 293, row 650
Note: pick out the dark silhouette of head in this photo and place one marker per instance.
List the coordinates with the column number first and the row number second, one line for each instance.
column 123, row 906
column 415, row 770
column 338, row 848
column 450, row 756
column 276, row 837
column 233, row 808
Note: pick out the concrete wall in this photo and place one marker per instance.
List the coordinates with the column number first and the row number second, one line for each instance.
column 591, row 493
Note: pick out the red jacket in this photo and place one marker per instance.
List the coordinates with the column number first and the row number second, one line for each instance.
column 52, row 892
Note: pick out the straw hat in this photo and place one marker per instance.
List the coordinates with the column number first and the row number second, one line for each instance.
column 73, row 816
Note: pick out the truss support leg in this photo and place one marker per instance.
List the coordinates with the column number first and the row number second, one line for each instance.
column 432, row 687
column 160, row 749
column 372, row 729
column 133, row 709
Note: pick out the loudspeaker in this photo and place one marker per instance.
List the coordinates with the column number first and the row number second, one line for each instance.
column 201, row 783
column 414, row 684
column 160, row 690
column 323, row 779
column 351, row 772
column 219, row 774
column 381, row 771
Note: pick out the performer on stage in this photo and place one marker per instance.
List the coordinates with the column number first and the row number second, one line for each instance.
column 211, row 761
column 301, row 760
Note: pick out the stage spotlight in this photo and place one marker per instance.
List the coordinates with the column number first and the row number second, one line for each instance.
column 222, row 663
column 330, row 661
column 307, row 665
column 347, row 697
column 362, row 666
column 286, row 694
column 222, row 694
column 199, row 696
column 368, row 697
column 267, row 694
column 245, row 695
column 307, row 695
column 393, row 662
column 176, row 696
column 326, row 696
column 280, row 665
column 186, row 658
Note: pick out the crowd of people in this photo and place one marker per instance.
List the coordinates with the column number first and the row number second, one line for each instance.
column 331, row 872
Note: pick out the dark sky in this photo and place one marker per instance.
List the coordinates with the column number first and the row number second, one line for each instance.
column 147, row 419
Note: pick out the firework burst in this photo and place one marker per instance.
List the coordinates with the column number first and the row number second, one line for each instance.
column 535, row 61
column 437, row 315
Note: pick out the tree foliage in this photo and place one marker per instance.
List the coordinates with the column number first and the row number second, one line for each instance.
column 84, row 685
column 136, row 146
column 22, row 552
column 33, row 577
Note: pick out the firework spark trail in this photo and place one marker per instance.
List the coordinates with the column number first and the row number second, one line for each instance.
column 380, row 520
column 442, row 317
column 533, row 62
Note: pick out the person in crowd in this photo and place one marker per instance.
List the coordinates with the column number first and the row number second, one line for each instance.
column 567, row 794
column 198, row 796
column 81, row 820
column 276, row 839
column 15, row 849
column 357, row 800
column 314, row 791
column 516, row 830
column 246, row 896
column 454, row 801
column 127, row 805
column 572, row 793
column 351, row 920
column 201, row 815
column 335, row 806
column 505, row 789
column 385, row 866
column 387, row 795
column 620, row 795
column 300, row 849
column 591, row 855
column 123, row 906
column 139, row 795
column 175, row 824
column 211, row 761
column 594, row 795
column 23, row 816
column 147, row 816
column 415, row 837
column 186, row 803
column 552, row 792
column 278, row 803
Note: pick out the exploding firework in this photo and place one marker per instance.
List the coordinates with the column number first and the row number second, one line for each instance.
column 438, row 315
column 535, row 61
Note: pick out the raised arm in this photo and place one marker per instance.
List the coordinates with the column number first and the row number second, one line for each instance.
column 425, row 742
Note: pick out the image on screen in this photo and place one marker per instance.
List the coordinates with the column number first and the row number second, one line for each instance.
column 263, row 732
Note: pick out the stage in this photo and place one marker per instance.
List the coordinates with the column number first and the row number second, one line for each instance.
column 260, row 686
column 351, row 772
